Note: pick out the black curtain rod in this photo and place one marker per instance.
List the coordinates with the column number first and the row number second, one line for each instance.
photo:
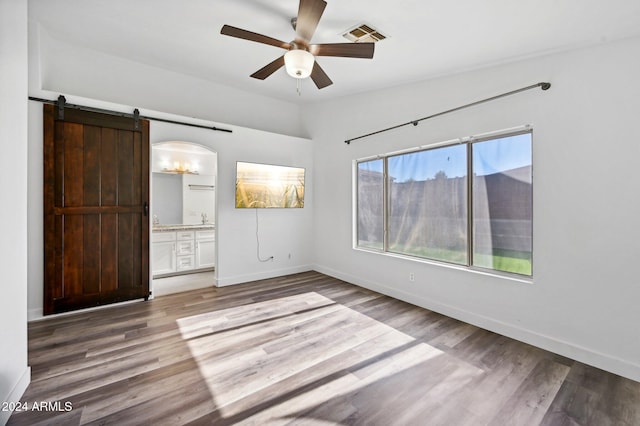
column 135, row 114
column 543, row 86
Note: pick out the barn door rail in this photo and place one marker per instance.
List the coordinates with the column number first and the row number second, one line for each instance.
column 61, row 104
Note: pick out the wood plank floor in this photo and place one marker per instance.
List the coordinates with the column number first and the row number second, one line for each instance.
column 303, row 349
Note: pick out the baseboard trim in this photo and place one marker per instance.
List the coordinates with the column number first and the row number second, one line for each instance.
column 34, row 314
column 588, row 356
column 31, row 318
column 241, row 279
column 17, row 392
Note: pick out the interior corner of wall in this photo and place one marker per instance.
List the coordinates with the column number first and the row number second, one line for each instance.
column 16, row 394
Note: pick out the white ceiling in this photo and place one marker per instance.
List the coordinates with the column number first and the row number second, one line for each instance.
column 426, row 38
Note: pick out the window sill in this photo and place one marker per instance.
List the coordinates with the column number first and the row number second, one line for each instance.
column 469, row 269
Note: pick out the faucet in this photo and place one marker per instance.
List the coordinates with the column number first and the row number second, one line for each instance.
column 205, row 220
column 156, row 221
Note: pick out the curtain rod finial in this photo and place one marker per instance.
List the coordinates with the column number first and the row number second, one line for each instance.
column 545, row 86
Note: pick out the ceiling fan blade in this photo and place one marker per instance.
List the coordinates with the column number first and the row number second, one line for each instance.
column 348, row 50
column 251, row 36
column 319, row 77
column 309, row 14
column 269, row 69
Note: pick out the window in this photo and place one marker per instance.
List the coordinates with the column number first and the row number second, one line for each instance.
column 502, row 204
column 466, row 203
column 370, row 204
column 428, row 204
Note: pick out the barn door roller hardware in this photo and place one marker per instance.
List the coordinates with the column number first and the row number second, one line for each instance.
column 62, row 101
column 136, row 119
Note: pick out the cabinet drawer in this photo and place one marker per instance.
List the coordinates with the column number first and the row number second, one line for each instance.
column 185, row 235
column 184, row 247
column 184, row 263
column 205, row 235
column 158, row 237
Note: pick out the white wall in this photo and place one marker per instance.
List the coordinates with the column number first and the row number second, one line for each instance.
column 35, row 212
column 198, row 202
column 14, row 372
column 583, row 301
column 70, row 70
column 282, row 231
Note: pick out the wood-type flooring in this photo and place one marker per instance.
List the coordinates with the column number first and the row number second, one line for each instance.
column 304, row 349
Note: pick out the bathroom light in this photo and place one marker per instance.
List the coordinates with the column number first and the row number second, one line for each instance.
column 182, row 168
column 298, row 63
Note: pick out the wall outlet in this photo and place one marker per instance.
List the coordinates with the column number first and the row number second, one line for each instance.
column 412, row 277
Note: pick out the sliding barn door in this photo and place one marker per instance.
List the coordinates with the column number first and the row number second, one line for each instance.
column 96, row 193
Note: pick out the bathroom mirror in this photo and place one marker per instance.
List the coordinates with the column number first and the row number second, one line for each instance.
column 183, row 183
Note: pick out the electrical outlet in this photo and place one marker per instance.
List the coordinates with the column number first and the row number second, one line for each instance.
column 412, row 277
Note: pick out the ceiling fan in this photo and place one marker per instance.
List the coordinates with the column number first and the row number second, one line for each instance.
column 299, row 60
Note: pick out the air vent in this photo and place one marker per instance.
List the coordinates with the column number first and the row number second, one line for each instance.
column 364, row 33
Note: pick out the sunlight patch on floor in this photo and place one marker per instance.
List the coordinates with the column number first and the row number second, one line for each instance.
column 316, row 351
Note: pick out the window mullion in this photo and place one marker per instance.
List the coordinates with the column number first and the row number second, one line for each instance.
column 469, row 204
column 386, row 205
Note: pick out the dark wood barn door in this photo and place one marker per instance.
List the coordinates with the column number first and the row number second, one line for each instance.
column 96, row 192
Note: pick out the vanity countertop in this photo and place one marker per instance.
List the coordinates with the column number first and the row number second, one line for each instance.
column 181, row 227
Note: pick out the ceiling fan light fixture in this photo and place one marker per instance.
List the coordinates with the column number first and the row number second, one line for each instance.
column 299, row 59
column 298, row 63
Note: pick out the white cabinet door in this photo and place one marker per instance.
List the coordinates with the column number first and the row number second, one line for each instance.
column 205, row 253
column 164, row 257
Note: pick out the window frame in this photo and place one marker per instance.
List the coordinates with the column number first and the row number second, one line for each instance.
column 470, row 237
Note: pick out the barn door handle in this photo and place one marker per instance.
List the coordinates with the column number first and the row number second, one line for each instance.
column 145, row 208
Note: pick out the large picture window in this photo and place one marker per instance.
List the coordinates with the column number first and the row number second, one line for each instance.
column 467, row 203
